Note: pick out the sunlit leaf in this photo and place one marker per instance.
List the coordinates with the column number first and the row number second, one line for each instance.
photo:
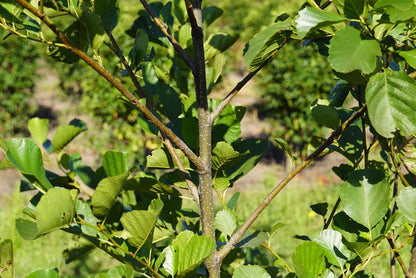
column 406, row 202
column 309, row 260
column 226, row 221
column 391, row 103
column 38, row 129
column 366, row 196
column 310, row 19
column 139, row 224
column 106, row 193
column 116, row 163
column 335, row 251
column 65, row 134
column 27, row 158
column 265, row 43
column 350, row 51
column 250, row 271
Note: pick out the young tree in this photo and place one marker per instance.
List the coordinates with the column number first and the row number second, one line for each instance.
column 134, row 213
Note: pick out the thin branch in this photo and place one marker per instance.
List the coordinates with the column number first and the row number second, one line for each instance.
column 396, row 165
column 185, row 174
column 166, row 32
column 331, row 216
column 242, row 83
column 399, row 259
column 250, row 220
column 123, row 90
column 133, row 77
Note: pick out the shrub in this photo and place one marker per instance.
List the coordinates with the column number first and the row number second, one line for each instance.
column 18, row 75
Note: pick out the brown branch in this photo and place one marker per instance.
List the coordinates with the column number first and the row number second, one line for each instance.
column 123, row 90
column 185, row 174
column 123, row 60
column 250, row 220
column 166, row 32
column 242, row 83
column 399, row 259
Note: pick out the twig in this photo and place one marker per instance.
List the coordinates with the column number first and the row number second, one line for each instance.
column 331, row 216
column 396, row 165
column 285, row 265
column 123, row 90
column 133, row 77
column 191, row 186
column 242, row 83
column 166, row 32
column 391, row 241
column 250, row 220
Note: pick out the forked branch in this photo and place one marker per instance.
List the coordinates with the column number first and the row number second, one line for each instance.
column 122, row 89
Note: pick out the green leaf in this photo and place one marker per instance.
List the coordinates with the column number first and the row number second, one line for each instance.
column 353, row 8
column 11, row 11
column 6, row 259
column 84, row 210
column 139, row 49
column 227, row 126
column 325, row 114
column 397, row 11
column 27, row 158
column 106, row 193
column 406, row 202
column 226, row 221
column 233, row 200
column 250, row 271
column 77, row 33
column 320, row 208
column 43, row 273
column 211, row 13
column 366, row 196
column 309, row 260
column 140, row 224
column 96, row 33
column 350, row 51
column 191, row 250
column 116, row 163
column 265, row 43
column 38, row 129
column 65, row 134
column 335, row 251
column 109, row 12
column 256, row 148
column 410, row 57
column 252, row 238
column 339, row 93
column 311, row 19
column 283, row 145
column 55, row 210
column 144, row 182
column 160, row 158
column 223, row 156
column 391, row 103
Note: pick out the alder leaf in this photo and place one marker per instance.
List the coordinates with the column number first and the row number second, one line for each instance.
column 392, row 103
